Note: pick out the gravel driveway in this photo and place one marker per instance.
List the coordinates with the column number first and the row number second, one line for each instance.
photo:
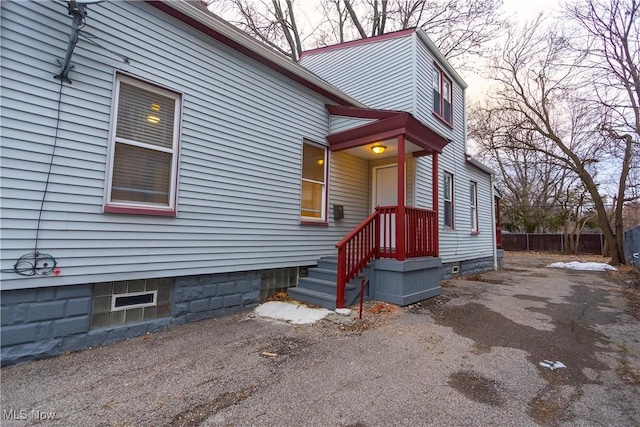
column 469, row 357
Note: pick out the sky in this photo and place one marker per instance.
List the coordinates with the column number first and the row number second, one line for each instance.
column 520, row 10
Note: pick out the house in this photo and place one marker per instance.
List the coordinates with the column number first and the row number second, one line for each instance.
column 160, row 167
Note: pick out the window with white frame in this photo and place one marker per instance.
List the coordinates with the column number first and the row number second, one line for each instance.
column 442, row 96
column 447, row 197
column 144, row 147
column 313, row 194
column 474, row 206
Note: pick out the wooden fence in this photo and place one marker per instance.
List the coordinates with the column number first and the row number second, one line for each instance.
column 588, row 243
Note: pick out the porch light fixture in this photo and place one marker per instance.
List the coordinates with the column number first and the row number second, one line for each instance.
column 378, row 149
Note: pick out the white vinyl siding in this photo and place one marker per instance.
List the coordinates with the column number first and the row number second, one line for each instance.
column 240, row 152
column 144, row 145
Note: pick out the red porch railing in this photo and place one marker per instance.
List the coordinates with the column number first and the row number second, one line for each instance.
column 376, row 237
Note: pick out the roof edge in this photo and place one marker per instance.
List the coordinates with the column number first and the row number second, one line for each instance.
column 479, row 165
column 440, row 57
column 261, row 52
column 351, row 43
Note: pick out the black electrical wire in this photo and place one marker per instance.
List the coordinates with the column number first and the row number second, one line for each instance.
column 36, row 263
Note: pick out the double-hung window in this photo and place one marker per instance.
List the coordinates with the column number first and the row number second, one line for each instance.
column 144, row 149
column 447, row 196
column 313, row 194
column 474, row 207
column 442, row 96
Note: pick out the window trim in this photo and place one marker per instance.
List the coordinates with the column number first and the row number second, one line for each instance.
column 307, row 220
column 138, row 208
column 442, row 78
column 153, row 303
column 475, row 225
column 450, row 200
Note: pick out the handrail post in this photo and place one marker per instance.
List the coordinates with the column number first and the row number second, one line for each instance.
column 342, row 273
column 401, row 233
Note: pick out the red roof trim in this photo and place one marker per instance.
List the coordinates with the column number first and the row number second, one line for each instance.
column 370, row 132
column 352, row 43
column 388, row 124
column 244, row 50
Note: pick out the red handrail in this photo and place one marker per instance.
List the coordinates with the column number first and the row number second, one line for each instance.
column 376, row 237
column 355, row 251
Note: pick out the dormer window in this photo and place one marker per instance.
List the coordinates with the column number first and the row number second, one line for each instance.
column 442, row 97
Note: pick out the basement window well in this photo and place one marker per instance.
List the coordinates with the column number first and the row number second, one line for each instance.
column 131, row 301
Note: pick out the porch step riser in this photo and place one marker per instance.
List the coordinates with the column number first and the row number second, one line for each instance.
column 328, row 264
column 311, row 297
column 322, row 274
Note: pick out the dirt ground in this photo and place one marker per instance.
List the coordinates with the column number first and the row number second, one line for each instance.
column 479, row 354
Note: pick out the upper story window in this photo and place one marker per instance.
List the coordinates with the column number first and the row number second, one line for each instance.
column 473, row 202
column 313, row 195
column 144, row 149
column 442, row 96
column 447, row 197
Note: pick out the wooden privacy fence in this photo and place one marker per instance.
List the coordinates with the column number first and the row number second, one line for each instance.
column 588, row 243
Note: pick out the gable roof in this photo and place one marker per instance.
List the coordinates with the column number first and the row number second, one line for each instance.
column 420, row 34
column 200, row 18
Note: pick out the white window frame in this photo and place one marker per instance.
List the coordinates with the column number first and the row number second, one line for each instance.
column 323, row 211
column 137, row 207
column 474, row 207
column 440, row 78
column 449, row 200
column 132, row 306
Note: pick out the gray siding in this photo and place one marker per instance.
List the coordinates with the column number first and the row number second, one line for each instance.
column 339, row 124
column 411, row 55
column 239, row 179
column 378, row 74
column 349, row 186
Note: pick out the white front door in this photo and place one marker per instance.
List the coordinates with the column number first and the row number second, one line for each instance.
column 385, row 193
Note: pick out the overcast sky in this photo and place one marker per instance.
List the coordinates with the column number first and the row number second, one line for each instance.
column 521, row 10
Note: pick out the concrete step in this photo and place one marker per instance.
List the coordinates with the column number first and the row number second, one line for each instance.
column 310, row 296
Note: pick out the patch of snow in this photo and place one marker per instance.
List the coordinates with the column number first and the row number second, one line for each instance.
column 343, row 311
column 294, row 313
column 587, row 266
column 552, row 365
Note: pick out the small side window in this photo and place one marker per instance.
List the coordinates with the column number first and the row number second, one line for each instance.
column 447, row 196
column 473, row 202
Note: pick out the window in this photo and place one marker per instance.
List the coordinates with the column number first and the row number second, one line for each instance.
column 144, row 149
column 448, row 200
column 442, row 96
column 474, row 207
column 312, row 203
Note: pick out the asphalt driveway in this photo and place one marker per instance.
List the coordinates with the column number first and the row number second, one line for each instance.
column 469, row 357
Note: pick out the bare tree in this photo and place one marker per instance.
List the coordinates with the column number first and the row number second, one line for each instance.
column 534, row 188
column 457, row 28
column 544, row 88
column 268, row 21
column 611, row 45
